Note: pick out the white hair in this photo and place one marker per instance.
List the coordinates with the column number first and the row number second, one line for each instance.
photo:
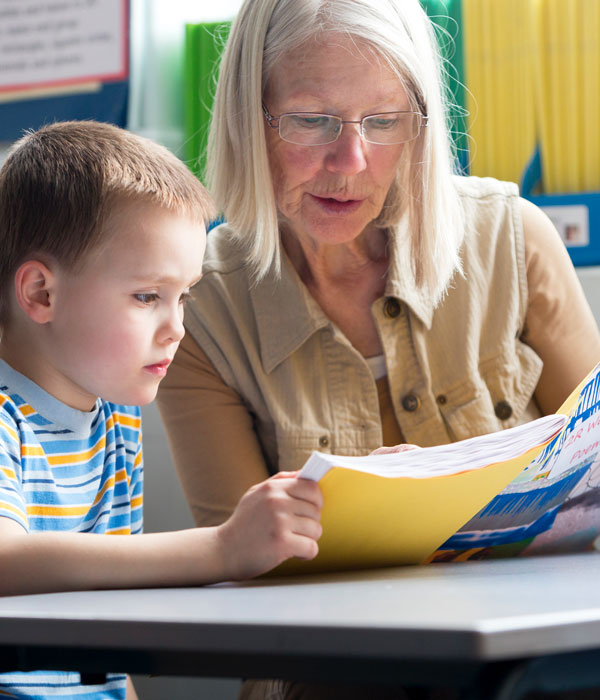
column 423, row 196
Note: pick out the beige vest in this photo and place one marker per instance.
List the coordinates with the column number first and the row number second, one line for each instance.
column 454, row 371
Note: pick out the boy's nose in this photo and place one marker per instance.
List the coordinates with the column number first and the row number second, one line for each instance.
column 173, row 330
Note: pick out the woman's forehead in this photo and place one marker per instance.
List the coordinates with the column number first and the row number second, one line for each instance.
column 331, row 64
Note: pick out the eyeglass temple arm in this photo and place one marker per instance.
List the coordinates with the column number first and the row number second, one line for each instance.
column 272, row 121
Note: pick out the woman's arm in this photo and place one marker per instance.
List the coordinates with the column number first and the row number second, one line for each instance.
column 213, row 443
column 559, row 324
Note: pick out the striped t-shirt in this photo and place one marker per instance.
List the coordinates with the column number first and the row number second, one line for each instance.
column 67, row 470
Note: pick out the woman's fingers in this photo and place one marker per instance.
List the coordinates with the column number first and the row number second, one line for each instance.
column 395, row 449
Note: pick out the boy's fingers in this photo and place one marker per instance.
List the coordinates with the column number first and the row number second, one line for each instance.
column 308, row 527
column 305, row 509
column 307, row 490
column 304, row 547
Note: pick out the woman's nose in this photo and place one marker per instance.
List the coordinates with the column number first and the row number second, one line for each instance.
column 347, row 154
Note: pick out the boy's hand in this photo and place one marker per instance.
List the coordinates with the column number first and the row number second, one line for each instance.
column 274, row 520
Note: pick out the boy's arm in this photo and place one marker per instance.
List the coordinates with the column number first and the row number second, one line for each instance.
column 131, row 692
column 274, row 520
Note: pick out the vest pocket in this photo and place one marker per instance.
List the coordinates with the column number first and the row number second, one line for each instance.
column 498, row 397
column 295, row 446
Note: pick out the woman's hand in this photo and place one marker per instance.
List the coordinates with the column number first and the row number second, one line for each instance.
column 274, row 520
column 394, row 449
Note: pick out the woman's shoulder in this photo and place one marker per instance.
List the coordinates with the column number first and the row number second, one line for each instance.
column 225, row 254
column 479, row 188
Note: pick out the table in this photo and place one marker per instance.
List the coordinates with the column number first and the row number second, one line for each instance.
column 493, row 629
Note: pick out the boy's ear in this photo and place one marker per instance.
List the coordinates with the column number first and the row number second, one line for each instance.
column 34, row 285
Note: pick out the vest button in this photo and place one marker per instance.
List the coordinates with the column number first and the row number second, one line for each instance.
column 323, row 441
column 442, row 399
column 392, row 307
column 503, row 410
column 410, row 402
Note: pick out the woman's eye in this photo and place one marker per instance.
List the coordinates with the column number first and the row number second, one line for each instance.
column 146, row 298
column 307, row 122
column 383, row 124
column 184, row 297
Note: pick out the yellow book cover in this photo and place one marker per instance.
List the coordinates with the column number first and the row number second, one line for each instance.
column 393, row 509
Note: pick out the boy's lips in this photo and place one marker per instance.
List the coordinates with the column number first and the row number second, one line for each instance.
column 158, row 368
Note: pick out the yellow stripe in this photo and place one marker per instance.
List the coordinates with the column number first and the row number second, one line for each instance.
column 13, row 509
column 123, row 531
column 132, row 421
column 137, row 502
column 10, row 473
column 109, row 484
column 77, row 457
column 57, row 511
column 26, row 410
column 13, row 433
column 32, row 451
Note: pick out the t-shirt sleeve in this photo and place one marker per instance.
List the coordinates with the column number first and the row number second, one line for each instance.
column 12, row 500
column 136, row 490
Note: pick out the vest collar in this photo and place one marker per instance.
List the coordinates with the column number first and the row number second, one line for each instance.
column 287, row 315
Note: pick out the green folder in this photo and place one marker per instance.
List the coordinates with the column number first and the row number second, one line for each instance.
column 204, row 44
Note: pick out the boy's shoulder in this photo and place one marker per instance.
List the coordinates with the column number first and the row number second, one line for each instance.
column 11, row 405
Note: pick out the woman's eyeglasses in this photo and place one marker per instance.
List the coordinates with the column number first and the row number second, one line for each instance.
column 309, row 129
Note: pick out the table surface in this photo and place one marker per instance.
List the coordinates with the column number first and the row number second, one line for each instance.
column 481, row 611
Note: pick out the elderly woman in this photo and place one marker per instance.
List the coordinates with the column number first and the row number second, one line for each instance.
column 359, row 293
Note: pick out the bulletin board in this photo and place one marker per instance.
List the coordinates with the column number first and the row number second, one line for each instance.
column 62, row 59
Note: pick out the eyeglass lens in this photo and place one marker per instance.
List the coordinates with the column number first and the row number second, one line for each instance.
column 320, row 129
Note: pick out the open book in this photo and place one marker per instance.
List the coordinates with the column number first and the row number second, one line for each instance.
column 531, row 488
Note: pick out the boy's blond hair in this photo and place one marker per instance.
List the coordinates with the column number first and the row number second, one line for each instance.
column 59, row 185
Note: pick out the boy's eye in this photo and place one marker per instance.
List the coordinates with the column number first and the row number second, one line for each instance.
column 146, row 297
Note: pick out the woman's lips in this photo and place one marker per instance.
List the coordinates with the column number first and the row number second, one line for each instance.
column 337, row 206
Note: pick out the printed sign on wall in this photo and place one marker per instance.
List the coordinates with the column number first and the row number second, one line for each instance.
column 59, row 44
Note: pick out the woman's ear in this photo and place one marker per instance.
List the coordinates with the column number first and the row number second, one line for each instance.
column 34, row 287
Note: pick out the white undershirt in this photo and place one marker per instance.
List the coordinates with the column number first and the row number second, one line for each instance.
column 377, row 366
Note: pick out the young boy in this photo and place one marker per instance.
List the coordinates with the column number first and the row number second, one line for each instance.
column 102, row 236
